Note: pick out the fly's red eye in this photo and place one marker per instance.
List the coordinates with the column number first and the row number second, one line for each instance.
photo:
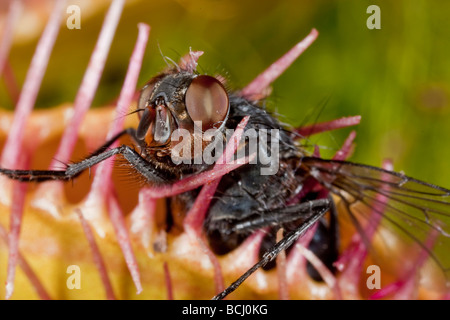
column 207, row 101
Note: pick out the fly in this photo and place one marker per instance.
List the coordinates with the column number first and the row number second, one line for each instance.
column 296, row 194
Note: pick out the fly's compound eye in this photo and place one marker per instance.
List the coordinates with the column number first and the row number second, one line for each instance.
column 144, row 98
column 146, row 118
column 155, row 126
column 145, row 113
column 207, row 101
column 155, row 121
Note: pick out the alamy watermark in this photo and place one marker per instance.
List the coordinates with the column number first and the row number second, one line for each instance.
column 374, row 279
column 74, row 20
column 74, row 280
column 374, row 20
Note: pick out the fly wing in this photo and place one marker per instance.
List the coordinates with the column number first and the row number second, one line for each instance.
column 415, row 208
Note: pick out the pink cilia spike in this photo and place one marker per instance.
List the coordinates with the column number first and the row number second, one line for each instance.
column 123, row 238
column 258, row 87
column 142, row 220
column 195, row 181
column 295, row 264
column 310, row 130
column 341, row 154
column 351, row 261
column 27, row 270
column 326, row 275
column 168, row 281
column 13, row 148
column 283, row 285
column 39, row 62
column 346, row 149
column 50, row 192
column 192, row 227
column 18, row 201
column 247, row 254
column 15, row 8
column 98, row 259
column 405, row 288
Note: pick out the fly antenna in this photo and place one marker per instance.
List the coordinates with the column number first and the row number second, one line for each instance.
column 168, row 60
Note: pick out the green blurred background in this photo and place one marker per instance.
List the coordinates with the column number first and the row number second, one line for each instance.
column 397, row 78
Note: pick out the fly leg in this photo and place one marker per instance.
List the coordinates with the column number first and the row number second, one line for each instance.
column 325, row 242
column 130, row 132
column 275, row 218
column 144, row 167
column 308, row 213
